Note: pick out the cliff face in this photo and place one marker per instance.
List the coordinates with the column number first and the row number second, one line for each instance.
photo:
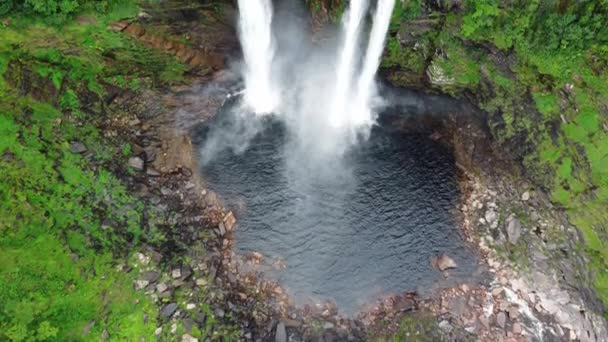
column 539, row 70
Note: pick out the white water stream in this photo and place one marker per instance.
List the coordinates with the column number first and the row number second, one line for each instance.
column 255, row 30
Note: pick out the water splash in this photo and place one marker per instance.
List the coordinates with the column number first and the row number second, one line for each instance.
column 327, row 92
column 255, row 30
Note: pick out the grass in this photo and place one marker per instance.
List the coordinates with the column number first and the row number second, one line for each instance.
column 66, row 221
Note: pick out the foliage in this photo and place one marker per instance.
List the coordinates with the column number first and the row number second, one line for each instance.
column 540, row 68
column 58, row 11
column 67, row 222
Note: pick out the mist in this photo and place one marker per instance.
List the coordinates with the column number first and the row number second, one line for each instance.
column 324, row 94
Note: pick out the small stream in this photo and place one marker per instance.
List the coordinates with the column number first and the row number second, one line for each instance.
column 350, row 236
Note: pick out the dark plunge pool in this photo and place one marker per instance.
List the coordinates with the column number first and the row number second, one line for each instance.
column 366, row 226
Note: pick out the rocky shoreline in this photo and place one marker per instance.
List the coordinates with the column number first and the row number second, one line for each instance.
column 531, row 293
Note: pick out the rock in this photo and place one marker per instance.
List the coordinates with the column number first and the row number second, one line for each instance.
column 229, row 221
column 188, row 338
column 190, row 306
column 513, row 229
column 168, row 310
column 220, row 313
column 152, row 172
column 435, row 136
column 143, row 16
column 525, row 196
column 186, row 272
column 151, row 276
column 328, row 325
column 141, row 284
column 88, row 328
column 491, row 217
column 143, row 259
column 445, row 326
column 118, row 26
column 188, row 324
column 404, row 304
column 136, row 163
column 158, row 331
column 501, row 319
column 105, row 335
column 281, row 333
column 201, row 282
column 517, row 329
column 222, row 229
column 77, row 147
column 437, row 76
column 176, row 273
column 162, row 287
column 444, row 262
column 513, row 312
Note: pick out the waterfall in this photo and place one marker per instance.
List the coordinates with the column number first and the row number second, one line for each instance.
column 328, row 90
column 255, row 20
column 351, row 26
column 366, row 86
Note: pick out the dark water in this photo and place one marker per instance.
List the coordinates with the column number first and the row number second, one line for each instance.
column 363, row 227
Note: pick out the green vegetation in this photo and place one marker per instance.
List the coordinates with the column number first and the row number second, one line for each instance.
column 67, row 222
column 540, row 68
column 419, row 326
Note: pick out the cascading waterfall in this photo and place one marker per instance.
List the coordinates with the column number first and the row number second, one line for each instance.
column 351, row 26
column 330, row 105
column 255, row 21
column 366, row 86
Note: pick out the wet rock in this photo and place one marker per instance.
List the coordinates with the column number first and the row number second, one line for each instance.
column 168, row 310
column 513, row 229
column 136, row 163
column 281, row 333
column 77, row 147
column 444, row 262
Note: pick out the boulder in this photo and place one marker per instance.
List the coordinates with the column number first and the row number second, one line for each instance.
column 444, row 262
column 513, row 229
